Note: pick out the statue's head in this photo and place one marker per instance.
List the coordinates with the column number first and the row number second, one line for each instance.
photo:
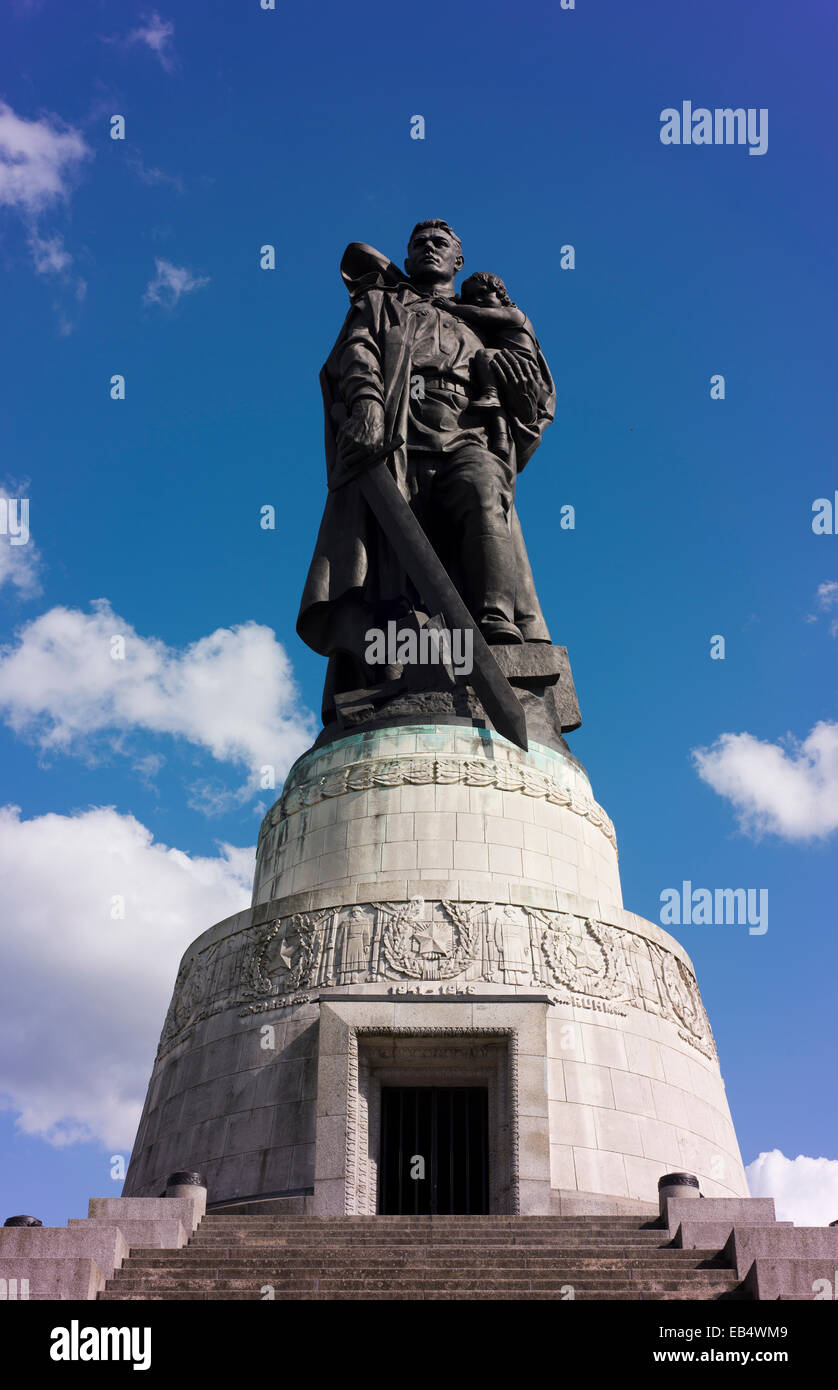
column 484, row 290
column 434, row 253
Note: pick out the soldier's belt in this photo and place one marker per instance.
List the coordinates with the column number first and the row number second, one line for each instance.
column 442, row 383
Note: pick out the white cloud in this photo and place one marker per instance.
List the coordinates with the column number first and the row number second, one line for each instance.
column 232, row 693
column 49, row 253
column 170, row 282
column 788, row 789
column 158, row 35
column 83, row 996
column 148, row 767
column 151, row 175
column 805, row 1190
column 38, row 161
column 827, row 600
column 20, row 564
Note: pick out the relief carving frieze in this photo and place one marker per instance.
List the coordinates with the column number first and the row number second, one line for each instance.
column 585, row 957
column 427, row 945
column 422, row 771
column 440, row 946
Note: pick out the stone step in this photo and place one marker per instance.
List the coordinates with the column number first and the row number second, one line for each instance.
column 413, row 1295
column 428, row 1239
column 397, row 1267
column 355, row 1223
column 676, row 1259
column 419, row 1227
column 687, row 1258
column 323, row 1285
column 464, row 1224
column 429, row 1242
column 489, row 1240
column 432, row 1237
column 431, row 1279
column 441, row 1255
column 414, row 1223
column 438, row 1249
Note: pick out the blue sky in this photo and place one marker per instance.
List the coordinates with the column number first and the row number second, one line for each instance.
column 693, row 516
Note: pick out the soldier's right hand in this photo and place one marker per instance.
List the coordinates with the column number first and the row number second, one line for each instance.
column 362, row 433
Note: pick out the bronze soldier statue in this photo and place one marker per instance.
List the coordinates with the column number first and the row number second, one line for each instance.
column 462, row 392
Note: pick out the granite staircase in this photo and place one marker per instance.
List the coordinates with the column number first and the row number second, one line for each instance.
column 424, row 1257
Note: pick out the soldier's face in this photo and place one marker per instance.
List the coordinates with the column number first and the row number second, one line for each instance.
column 432, row 256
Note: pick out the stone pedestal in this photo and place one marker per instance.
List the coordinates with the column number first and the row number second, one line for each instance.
column 434, row 907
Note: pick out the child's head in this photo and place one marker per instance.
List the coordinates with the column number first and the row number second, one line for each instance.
column 485, row 291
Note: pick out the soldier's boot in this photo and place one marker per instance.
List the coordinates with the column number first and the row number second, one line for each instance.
column 489, row 569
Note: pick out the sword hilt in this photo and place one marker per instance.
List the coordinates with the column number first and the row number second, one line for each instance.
column 356, row 469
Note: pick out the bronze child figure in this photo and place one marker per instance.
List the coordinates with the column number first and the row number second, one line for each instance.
column 484, row 303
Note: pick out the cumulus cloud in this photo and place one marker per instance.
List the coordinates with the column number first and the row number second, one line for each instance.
column 170, row 282
column 76, row 682
column 805, row 1190
column 826, row 599
column 83, row 995
column 20, row 560
column 49, row 253
column 38, row 161
column 158, row 35
column 789, row 789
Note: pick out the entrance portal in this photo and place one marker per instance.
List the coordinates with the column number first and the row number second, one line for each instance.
column 434, row 1151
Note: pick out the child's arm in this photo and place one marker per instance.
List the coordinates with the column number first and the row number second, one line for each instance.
column 505, row 316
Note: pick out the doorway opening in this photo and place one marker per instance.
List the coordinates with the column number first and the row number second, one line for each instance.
column 434, row 1151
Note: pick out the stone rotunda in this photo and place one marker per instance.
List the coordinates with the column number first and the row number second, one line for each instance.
column 437, row 964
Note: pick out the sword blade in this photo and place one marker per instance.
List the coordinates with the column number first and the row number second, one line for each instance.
column 425, row 568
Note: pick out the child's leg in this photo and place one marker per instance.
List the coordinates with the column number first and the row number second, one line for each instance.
column 484, row 380
column 498, row 434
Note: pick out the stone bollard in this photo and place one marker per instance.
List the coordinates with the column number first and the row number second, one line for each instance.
column 193, row 1185
column 680, row 1185
column 22, row 1221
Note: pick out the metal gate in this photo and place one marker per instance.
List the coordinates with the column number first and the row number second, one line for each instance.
column 434, row 1151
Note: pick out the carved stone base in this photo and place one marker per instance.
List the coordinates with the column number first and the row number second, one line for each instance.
column 434, row 907
column 245, row 1066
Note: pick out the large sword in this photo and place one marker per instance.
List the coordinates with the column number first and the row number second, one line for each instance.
column 393, row 514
